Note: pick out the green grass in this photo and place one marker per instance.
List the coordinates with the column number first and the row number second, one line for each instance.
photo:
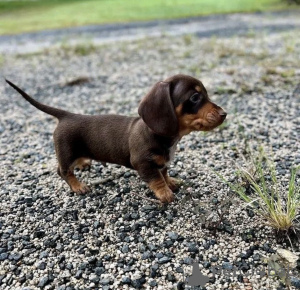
column 277, row 205
column 24, row 16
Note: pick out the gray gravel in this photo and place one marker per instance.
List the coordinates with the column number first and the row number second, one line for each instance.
column 113, row 238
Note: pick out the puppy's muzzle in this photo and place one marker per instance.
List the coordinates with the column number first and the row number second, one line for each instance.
column 216, row 117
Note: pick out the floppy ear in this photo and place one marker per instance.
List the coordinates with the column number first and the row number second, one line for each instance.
column 157, row 110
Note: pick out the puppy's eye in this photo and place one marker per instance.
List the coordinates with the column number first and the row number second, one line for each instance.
column 195, row 98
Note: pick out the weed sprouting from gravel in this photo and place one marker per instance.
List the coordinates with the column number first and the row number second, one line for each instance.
column 259, row 187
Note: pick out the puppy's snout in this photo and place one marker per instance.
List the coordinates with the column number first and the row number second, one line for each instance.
column 222, row 113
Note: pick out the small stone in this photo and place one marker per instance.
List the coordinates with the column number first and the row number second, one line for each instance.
column 173, row 236
column 125, row 249
column 153, row 271
column 267, row 248
column 193, row 248
column 92, row 260
column 290, row 257
column 126, row 280
column 179, row 270
column 134, row 216
column 250, row 212
column 247, row 255
column 138, row 283
column 214, row 201
column 99, row 270
column 206, row 264
column 39, row 234
column 146, row 255
column 152, row 283
column 227, row 266
column 44, row 254
column 3, row 256
column 228, row 229
column 127, row 174
column 44, row 281
column 168, row 243
column 28, row 199
column 78, row 274
column 21, row 279
column 256, row 257
column 94, row 278
column 164, row 260
column 171, row 277
column 104, row 281
column 16, row 256
column 213, row 242
column 295, row 282
column 83, row 266
column 188, row 261
column 244, row 267
column 42, row 266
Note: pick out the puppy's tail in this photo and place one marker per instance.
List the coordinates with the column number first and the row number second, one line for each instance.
column 58, row 113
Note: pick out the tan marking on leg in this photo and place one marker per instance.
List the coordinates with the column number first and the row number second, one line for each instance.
column 82, row 163
column 160, row 160
column 173, row 183
column 76, row 186
column 161, row 190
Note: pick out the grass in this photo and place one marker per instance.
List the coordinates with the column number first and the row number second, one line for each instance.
column 259, row 188
column 25, row 16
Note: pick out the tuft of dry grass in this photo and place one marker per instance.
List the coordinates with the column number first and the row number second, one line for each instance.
column 277, row 205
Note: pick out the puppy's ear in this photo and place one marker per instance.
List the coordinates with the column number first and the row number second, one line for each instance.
column 157, row 110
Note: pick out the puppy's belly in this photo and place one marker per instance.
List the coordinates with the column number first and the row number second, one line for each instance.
column 115, row 156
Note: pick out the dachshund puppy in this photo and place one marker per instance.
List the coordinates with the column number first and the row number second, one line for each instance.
column 173, row 108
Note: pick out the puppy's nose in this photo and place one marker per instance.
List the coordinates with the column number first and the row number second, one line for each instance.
column 222, row 113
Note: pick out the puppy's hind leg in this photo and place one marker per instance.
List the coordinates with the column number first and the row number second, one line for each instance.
column 65, row 170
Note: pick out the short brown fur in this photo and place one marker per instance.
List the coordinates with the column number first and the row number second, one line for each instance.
column 147, row 143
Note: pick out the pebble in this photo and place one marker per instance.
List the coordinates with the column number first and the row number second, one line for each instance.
column 164, row 260
column 295, row 282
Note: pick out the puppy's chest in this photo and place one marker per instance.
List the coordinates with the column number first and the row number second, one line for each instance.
column 171, row 153
column 165, row 157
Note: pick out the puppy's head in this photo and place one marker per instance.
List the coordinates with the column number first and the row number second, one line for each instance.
column 178, row 106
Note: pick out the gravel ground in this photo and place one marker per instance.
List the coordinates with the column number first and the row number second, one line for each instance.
column 113, row 238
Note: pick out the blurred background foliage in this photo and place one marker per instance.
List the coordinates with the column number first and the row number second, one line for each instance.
column 25, row 16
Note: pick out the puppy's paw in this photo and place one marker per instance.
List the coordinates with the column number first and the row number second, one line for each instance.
column 165, row 195
column 80, row 188
column 83, row 164
column 173, row 183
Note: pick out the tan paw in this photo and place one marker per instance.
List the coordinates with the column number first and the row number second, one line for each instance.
column 165, row 195
column 80, row 188
column 83, row 163
column 173, row 183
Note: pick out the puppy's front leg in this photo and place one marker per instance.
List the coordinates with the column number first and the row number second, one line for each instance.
column 173, row 183
column 156, row 183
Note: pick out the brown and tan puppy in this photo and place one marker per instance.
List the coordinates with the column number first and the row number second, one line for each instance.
column 173, row 108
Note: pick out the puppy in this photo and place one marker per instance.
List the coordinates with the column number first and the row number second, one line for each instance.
column 173, row 108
